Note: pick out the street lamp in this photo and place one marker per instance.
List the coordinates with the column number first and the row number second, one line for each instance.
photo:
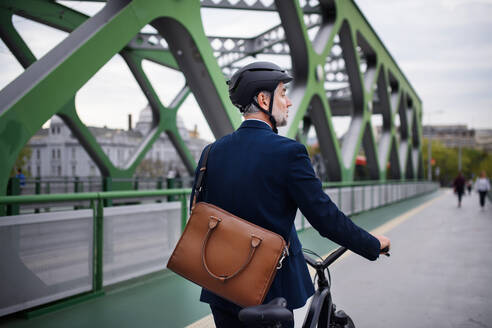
column 429, row 144
column 429, row 155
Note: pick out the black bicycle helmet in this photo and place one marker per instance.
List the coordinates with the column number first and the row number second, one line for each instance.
column 248, row 81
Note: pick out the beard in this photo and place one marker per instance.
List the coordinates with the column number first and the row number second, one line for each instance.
column 280, row 118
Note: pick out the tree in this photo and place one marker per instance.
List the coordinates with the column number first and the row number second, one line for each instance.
column 21, row 161
column 472, row 162
column 151, row 168
column 486, row 165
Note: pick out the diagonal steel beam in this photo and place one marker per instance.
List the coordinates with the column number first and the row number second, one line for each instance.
column 328, row 81
column 253, row 5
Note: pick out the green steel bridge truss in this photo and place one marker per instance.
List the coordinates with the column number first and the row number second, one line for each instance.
column 345, row 70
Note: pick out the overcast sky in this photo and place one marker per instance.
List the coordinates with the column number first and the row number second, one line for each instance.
column 444, row 47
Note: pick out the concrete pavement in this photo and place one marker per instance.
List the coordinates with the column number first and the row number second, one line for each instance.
column 439, row 273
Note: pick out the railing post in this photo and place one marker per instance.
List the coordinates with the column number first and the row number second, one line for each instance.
column 170, row 185
column 363, row 207
column 184, row 211
column 381, row 187
column 76, row 189
column 37, row 186
column 135, row 184
column 13, row 188
column 390, row 193
column 76, row 185
column 340, row 198
column 107, row 186
column 37, row 191
column 384, row 191
column 159, row 187
column 352, row 208
column 97, row 281
column 372, row 197
column 47, row 190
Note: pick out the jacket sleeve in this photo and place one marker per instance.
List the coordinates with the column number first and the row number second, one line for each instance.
column 305, row 188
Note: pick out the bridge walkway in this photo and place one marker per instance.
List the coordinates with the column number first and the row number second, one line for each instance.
column 439, row 273
column 166, row 300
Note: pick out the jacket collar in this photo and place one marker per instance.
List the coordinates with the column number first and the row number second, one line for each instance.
column 255, row 124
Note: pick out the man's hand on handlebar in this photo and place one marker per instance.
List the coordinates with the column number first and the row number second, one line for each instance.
column 385, row 244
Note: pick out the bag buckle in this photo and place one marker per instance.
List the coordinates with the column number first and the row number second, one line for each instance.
column 285, row 253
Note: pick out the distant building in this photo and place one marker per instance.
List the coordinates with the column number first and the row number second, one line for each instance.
column 56, row 152
column 451, row 136
column 454, row 136
column 483, row 138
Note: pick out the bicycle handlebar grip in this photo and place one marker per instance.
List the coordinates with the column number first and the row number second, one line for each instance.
column 385, row 251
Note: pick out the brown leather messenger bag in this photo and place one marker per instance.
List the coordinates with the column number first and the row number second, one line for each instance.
column 225, row 254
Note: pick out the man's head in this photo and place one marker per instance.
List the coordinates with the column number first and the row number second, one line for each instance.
column 260, row 87
column 281, row 104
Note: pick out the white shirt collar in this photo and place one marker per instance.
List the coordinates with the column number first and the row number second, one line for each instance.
column 255, row 119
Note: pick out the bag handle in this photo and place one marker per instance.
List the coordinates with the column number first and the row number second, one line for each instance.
column 199, row 180
column 212, row 224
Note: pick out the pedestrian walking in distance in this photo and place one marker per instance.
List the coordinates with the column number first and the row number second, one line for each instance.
column 469, row 185
column 459, row 187
column 482, row 186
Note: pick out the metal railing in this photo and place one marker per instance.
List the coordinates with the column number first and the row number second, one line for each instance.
column 15, row 233
column 60, row 185
column 88, row 249
column 68, row 185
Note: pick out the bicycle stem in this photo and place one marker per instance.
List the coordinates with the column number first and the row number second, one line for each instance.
column 322, row 281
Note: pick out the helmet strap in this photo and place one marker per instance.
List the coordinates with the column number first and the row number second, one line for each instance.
column 269, row 112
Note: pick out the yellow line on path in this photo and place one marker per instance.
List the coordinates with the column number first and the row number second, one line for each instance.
column 208, row 321
column 405, row 216
column 205, row 322
column 384, row 228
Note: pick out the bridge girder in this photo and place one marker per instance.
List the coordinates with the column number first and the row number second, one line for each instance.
column 345, row 70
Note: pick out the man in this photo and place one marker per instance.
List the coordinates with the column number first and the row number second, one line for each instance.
column 263, row 177
column 21, row 177
column 482, row 186
column 459, row 187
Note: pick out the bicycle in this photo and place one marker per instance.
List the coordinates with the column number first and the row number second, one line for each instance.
column 322, row 312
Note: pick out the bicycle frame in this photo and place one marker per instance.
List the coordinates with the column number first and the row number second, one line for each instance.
column 321, row 308
column 321, row 311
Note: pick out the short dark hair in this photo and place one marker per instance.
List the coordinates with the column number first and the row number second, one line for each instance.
column 252, row 108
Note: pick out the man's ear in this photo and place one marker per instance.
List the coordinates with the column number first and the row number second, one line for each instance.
column 263, row 100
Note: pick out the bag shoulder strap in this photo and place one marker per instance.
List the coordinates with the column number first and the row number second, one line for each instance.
column 199, row 180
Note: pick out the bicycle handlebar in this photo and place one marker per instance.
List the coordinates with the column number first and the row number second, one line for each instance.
column 385, row 251
column 326, row 262
column 333, row 257
column 312, row 262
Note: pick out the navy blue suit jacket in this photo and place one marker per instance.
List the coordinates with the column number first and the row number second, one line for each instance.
column 263, row 177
